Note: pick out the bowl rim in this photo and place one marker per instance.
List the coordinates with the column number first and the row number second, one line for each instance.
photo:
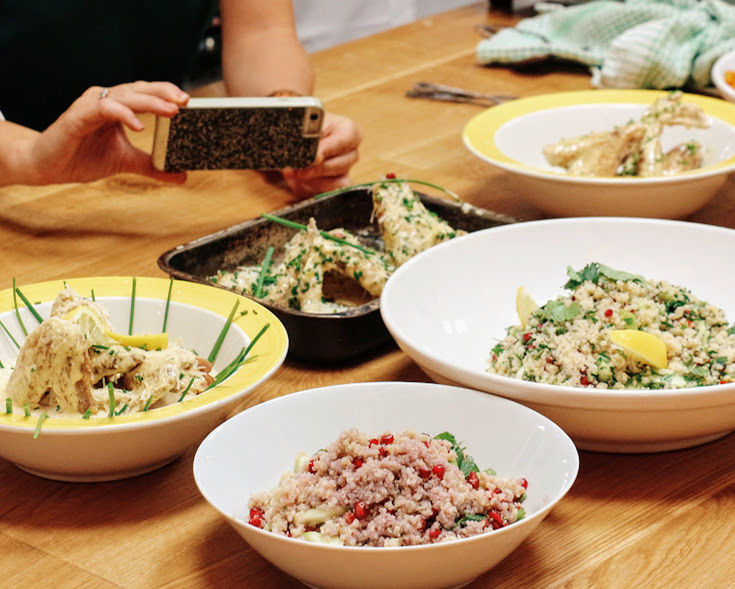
column 724, row 62
column 271, row 349
column 479, row 133
column 530, row 519
column 553, row 394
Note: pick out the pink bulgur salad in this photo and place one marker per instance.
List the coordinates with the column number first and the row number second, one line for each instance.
column 401, row 489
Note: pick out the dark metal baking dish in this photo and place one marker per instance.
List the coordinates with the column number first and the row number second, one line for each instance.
column 314, row 337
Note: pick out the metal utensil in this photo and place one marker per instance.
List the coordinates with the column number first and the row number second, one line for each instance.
column 432, row 91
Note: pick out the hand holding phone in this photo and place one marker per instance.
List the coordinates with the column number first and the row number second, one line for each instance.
column 239, row 133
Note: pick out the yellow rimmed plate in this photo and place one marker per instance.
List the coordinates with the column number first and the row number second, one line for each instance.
column 512, row 136
column 130, row 444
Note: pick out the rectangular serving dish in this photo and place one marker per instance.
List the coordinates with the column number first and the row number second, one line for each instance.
column 315, row 338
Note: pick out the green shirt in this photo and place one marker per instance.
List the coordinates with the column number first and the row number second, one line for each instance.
column 53, row 50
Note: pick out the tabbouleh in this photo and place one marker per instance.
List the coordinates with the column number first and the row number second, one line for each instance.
column 566, row 341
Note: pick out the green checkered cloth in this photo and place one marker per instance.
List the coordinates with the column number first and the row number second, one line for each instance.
column 629, row 44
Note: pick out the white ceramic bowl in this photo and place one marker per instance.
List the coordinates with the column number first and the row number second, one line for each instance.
column 724, row 63
column 512, row 136
column 233, row 462
column 75, row 449
column 450, row 305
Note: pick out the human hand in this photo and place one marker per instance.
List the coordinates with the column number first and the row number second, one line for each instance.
column 336, row 154
column 88, row 141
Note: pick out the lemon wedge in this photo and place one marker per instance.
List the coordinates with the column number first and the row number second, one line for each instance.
column 147, row 341
column 91, row 324
column 525, row 305
column 643, row 346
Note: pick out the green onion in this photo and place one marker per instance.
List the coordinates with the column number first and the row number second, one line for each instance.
column 27, row 410
column 238, row 361
column 186, row 390
column 221, row 338
column 43, row 417
column 8, row 405
column 10, row 335
column 168, row 303
column 388, row 181
column 30, row 306
column 91, row 290
column 148, row 403
column 111, row 393
column 124, row 407
column 256, row 338
column 324, row 234
column 2, row 365
column 87, row 414
column 132, row 309
column 17, row 311
column 263, row 271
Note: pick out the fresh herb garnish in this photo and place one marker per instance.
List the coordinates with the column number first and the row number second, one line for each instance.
column 465, row 462
column 558, row 312
column 186, row 390
column 470, row 517
column 17, row 311
column 43, row 417
column 87, row 414
column 10, row 335
column 132, row 308
column 593, row 271
column 168, row 303
column 111, row 394
column 148, row 403
column 30, row 306
column 324, row 234
column 263, row 272
column 238, row 361
column 27, row 410
column 390, row 181
column 8, row 405
column 222, row 334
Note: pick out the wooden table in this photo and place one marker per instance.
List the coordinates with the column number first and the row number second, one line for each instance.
column 660, row 520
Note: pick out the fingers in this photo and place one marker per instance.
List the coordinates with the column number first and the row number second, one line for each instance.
column 139, row 162
column 159, row 98
column 306, row 187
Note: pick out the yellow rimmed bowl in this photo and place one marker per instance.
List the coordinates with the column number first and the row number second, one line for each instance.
column 512, row 136
column 99, row 449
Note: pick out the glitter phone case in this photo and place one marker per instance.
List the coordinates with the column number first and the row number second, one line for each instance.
column 239, row 133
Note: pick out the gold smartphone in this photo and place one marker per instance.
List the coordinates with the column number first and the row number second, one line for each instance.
column 239, row 133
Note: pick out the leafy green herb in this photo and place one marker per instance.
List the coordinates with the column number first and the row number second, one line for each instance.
column 122, row 409
column 91, row 292
column 558, row 312
column 465, row 462
column 17, row 311
column 324, row 234
column 490, row 471
column 238, row 361
column 148, row 403
column 264, row 267
column 10, row 335
column 132, row 308
column 87, row 414
column 168, row 304
column 111, row 394
column 8, row 405
column 186, row 390
column 593, row 271
column 222, row 334
column 521, row 513
column 470, row 517
column 43, row 417
column 30, row 306
column 27, row 410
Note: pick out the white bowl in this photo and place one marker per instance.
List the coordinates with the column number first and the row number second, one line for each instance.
column 725, row 63
column 450, row 305
column 512, row 136
column 98, row 449
column 233, row 462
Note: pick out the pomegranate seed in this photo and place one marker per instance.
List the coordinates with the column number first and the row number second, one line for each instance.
column 382, row 452
column 390, row 175
column 473, row 480
column 358, row 461
column 549, row 360
column 312, row 468
column 584, row 380
column 496, row 520
column 422, row 525
column 497, row 490
column 434, row 533
column 387, row 439
column 438, row 470
column 256, row 517
column 424, row 473
column 427, row 443
column 526, row 336
column 373, row 442
column 349, row 517
column 608, row 312
column 360, row 510
column 523, row 482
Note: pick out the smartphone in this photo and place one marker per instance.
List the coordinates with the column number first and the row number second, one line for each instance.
column 239, row 133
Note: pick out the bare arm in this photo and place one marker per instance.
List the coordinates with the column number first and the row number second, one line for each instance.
column 16, row 145
column 261, row 52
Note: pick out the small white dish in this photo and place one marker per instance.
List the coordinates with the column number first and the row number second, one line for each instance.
column 450, row 305
column 100, row 449
column 725, row 63
column 232, row 463
column 512, row 136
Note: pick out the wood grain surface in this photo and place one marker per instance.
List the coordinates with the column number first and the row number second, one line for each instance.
column 653, row 520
